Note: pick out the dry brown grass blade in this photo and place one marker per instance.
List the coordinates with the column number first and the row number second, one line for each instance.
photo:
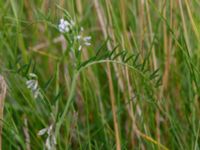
column 26, row 134
column 111, row 90
column 2, row 98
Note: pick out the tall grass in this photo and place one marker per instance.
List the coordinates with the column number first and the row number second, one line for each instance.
column 136, row 87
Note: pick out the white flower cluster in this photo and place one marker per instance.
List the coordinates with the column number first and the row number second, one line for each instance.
column 32, row 84
column 83, row 41
column 51, row 138
column 65, row 26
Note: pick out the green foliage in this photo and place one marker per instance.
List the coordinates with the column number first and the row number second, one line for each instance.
column 152, row 49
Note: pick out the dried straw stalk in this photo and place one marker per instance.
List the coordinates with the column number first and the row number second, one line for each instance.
column 2, row 98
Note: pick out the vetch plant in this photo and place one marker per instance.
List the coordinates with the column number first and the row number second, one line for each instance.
column 129, row 61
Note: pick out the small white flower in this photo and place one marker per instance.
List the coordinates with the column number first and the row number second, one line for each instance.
column 42, row 131
column 82, row 29
column 87, row 38
column 83, row 41
column 32, row 84
column 78, row 37
column 50, row 142
column 65, row 26
column 32, row 75
column 37, row 93
column 79, row 48
column 87, row 43
column 72, row 23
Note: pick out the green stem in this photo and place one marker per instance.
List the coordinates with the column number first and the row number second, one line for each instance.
column 69, row 100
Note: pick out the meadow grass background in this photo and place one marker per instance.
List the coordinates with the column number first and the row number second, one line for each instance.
column 137, row 86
